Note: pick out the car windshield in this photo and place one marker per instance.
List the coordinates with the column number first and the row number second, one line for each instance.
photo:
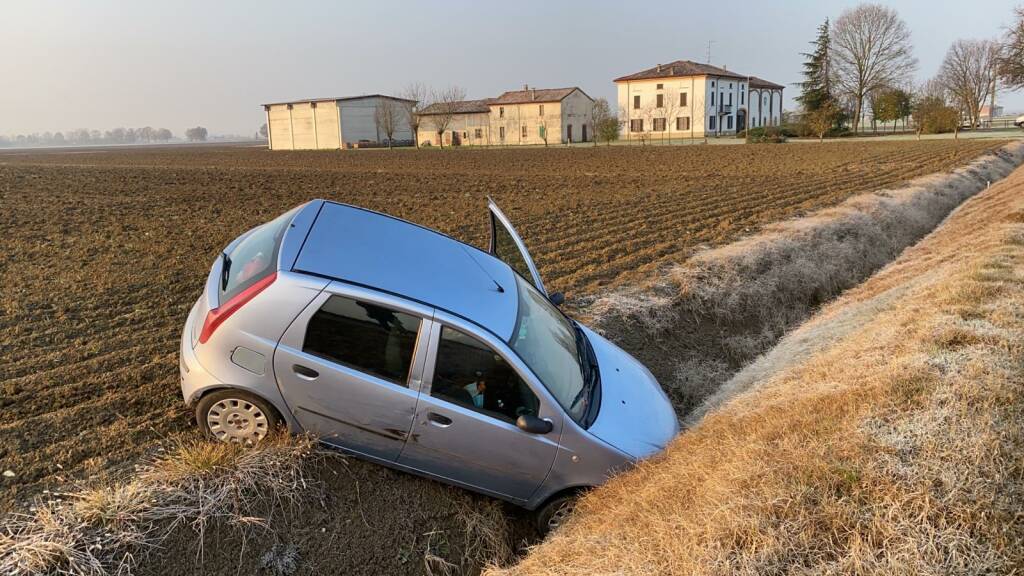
column 546, row 341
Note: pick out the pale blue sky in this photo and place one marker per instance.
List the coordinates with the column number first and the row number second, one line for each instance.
column 178, row 63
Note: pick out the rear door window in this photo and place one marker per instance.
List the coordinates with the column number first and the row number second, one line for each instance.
column 364, row 336
column 469, row 373
column 254, row 257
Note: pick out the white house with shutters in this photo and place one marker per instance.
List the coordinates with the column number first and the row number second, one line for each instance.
column 687, row 99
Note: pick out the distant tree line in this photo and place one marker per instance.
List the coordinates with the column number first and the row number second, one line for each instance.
column 864, row 63
column 83, row 136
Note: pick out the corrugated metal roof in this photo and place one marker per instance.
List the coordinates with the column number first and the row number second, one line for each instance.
column 375, row 250
column 338, row 99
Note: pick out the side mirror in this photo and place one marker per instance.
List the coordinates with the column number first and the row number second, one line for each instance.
column 557, row 298
column 533, row 425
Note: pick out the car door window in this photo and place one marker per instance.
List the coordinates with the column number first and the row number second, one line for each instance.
column 505, row 249
column 363, row 336
column 469, row 373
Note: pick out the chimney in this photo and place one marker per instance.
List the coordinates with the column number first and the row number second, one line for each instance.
column 533, row 93
column 526, row 87
column 659, row 67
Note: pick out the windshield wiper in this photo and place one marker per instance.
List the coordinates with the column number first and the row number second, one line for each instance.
column 588, row 367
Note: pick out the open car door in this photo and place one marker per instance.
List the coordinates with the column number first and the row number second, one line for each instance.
column 509, row 247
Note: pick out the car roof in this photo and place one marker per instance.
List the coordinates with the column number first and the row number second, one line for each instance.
column 370, row 249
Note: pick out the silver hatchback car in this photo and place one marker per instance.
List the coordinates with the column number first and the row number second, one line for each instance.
column 409, row 348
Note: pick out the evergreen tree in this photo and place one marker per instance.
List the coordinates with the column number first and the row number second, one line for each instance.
column 816, row 89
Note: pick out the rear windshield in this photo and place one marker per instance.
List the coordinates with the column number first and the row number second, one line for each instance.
column 254, row 258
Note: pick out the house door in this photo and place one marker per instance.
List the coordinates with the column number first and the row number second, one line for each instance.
column 584, row 132
column 456, row 139
column 568, row 133
column 741, row 119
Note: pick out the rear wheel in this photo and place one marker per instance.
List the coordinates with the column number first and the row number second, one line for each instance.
column 552, row 515
column 235, row 416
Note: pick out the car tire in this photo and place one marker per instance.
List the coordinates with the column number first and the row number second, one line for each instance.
column 236, row 416
column 554, row 513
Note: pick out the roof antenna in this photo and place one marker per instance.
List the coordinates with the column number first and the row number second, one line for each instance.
column 482, row 269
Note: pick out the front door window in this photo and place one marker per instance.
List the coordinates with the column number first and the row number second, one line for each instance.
column 468, row 373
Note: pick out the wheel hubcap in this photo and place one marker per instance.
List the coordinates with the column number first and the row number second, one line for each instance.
column 560, row 516
column 235, row 420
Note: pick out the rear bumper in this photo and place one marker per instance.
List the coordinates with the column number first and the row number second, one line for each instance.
column 194, row 377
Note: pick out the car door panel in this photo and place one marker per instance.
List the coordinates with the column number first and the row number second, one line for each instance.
column 344, row 405
column 475, row 449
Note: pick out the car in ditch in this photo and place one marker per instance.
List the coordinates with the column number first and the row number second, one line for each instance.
column 406, row 347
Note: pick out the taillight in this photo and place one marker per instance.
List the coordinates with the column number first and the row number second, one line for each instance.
column 218, row 315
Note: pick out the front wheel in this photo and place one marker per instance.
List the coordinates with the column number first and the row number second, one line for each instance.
column 235, row 416
column 553, row 514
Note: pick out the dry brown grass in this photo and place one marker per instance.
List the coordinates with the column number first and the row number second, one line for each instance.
column 896, row 447
column 102, row 530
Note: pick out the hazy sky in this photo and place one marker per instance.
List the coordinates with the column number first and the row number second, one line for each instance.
column 178, row 63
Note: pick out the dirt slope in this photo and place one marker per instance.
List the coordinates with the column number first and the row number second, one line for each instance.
column 894, row 447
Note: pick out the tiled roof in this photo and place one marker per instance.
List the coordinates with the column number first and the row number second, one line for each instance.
column 461, row 107
column 756, row 82
column 680, row 68
column 534, row 95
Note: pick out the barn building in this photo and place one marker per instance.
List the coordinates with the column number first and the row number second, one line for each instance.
column 332, row 123
column 689, row 99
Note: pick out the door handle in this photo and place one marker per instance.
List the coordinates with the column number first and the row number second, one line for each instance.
column 304, row 372
column 439, row 419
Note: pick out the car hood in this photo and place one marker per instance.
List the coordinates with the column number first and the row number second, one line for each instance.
column 636, row 415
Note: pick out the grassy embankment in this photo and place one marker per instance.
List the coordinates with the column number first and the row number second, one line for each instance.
column 882, row 436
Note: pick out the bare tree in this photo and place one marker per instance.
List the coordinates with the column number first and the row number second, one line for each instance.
column 387, row 116
column 669, row 109
column 446, row 105
column 415, row 99
column 871, row 49
column 601, row 121
column 1011, row 57
column 968, row 73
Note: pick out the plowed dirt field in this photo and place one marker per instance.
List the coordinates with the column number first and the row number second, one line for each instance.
column 105, row 251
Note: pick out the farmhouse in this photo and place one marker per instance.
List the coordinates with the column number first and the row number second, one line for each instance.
column 689, row 99
column 331, row 123
column 531, row 116
column 465, row 122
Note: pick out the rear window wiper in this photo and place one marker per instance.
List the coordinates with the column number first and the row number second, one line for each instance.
column 224, row 270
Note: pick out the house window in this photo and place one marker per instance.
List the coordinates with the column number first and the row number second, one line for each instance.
column 501, row 132
column 659, row 125
column 661, row 100
column 712, row 83
column 540, row 131
column 636, row 102
column 683, row 123
column 741, row 97
column 541, row 107
column 730, row 98
column 478, row 133
column 711, row 122
column 660, row 86
column 524, row 131
column 501, row 111
column 728, row 122
column 712, row 98
column 682, row 98
column 636, row 125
